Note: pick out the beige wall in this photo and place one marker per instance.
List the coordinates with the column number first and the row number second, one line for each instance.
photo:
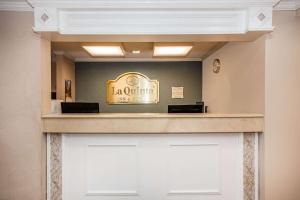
column 282, row 110
column 22, row 145
column 239, row 86
column 65, row 70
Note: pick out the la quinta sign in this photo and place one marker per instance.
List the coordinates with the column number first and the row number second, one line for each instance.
column 132, row 88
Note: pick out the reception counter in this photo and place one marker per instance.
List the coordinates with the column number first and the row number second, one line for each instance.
column 152, row 123
column 141, row 156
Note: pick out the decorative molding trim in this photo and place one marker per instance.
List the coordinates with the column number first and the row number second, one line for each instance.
column 215, row 191
column 111, row 145
column 113, row 193
column 168, row 4
column 288, row 5
column 154, row 21
column 152, row 17
column 15, row 6
column 193, row 145
column 249, row 166
column 194, row 192
column 55, row 167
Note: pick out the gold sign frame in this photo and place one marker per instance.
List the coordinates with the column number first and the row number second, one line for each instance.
column 132, row 88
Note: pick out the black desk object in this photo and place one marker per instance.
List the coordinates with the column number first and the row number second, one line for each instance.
column 197, row 108
column 79, row 107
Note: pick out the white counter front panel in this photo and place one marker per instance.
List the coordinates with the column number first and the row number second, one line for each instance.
column 152, row 166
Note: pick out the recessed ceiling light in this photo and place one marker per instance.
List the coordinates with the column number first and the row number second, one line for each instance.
column 136, row 51
column 171, row 50
column 104, row 50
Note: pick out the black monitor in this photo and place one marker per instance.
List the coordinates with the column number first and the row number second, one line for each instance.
column 79, row 107
column 196, row 108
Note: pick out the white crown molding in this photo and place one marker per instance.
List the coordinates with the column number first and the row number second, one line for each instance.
column 139, row 17
column 15, row 6
column 291, row 5
column 139, row 4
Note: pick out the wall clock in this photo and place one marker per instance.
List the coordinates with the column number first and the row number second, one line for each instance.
column 216, row 66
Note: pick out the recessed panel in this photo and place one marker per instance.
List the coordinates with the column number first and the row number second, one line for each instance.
column 194, row 169
column 111, row 170
column 152, row 167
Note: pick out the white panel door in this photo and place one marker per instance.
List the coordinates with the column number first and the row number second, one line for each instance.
column 152, row 167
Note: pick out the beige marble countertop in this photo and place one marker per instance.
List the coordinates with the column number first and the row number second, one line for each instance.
column 152, row 123
column 154, row 115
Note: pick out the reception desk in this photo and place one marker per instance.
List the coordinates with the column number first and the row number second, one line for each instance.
column 152, row 123
column 152, row 156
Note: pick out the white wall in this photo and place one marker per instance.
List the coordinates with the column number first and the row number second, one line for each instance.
column 22, row 145
column 239, row 86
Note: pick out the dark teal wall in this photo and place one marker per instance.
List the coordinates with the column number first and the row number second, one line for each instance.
column 91, row 80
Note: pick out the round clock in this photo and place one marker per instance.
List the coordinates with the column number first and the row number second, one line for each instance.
column 216, row 66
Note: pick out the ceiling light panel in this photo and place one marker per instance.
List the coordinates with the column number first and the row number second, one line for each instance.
column 171, row 50
column 104, row 50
